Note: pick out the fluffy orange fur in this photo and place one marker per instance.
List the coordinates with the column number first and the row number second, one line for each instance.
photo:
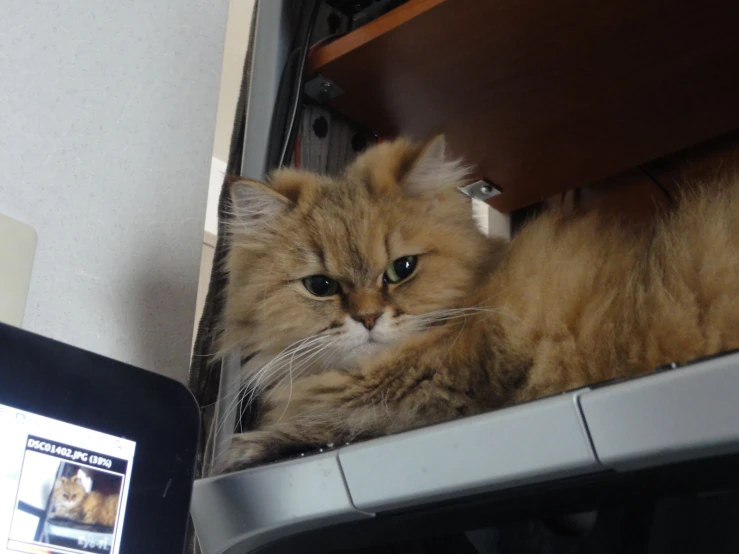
column 71, row 501
column 479, row 324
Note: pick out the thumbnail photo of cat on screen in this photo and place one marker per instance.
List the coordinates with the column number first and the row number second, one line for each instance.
column 66, row 505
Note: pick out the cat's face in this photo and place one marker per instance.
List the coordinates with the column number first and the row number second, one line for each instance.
column 340, row 269
column 68, row 493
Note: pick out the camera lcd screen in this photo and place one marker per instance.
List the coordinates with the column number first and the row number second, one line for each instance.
column 63, row 488
column 95, row 455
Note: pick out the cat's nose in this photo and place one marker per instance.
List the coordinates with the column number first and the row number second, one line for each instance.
column 368, row 320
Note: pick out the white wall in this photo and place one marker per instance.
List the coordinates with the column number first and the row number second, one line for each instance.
column 237, row 38
column 491, row 221
column 107, row 116
column 217, row 173
column 240, row 14
column 206, row 268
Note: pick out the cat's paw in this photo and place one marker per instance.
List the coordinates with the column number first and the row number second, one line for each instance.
column 328, row 396
column 246, row 450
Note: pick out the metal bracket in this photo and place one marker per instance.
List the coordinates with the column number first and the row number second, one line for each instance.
column 481, row 190
column 322, row 89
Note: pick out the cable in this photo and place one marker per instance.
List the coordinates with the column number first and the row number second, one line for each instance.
column 296, row 152
column 660, row 186
column 291, row 128
column 323, row 42
column 281, row 106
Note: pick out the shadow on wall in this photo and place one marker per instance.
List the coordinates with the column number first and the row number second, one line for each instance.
column 164, row 300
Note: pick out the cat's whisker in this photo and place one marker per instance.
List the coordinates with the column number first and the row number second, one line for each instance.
column 327, row 357
column 277, row 365
column 232, row 405
column 439, row 316
column 429, row 320
column 292, row 378
column 265, row 376
column 287, row 351
column 305, row 364
column 451, row 347
column 496, row 311
column 241, row 392
column 323, row 356
column 290, row 370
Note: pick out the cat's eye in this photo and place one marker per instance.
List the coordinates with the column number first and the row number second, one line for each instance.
column 400, row 269
column 320, row 285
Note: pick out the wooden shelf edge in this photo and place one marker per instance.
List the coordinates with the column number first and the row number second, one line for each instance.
column 359, row 37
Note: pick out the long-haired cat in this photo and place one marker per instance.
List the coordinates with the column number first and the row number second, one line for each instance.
column 70, row 500
column 372, row 304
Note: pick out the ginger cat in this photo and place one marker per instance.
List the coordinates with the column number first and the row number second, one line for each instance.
column 71, row 501
column 371, row 304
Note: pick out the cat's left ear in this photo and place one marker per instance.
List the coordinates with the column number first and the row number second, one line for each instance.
column 256, row 205
column 433, row 171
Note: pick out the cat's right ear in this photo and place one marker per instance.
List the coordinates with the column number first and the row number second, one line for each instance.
column 63, row 480
column 256, row 205
column 433, row 170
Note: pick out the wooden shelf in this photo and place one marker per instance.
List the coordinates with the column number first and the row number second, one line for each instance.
column 544, row 96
